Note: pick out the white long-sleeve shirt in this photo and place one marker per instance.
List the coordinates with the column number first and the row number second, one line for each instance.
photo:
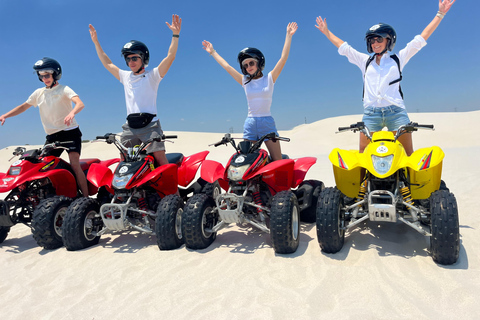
column 378, row 92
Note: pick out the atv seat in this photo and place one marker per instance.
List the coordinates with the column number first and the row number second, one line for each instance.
column 175, row 158
column 284, row 156
column 85, row 163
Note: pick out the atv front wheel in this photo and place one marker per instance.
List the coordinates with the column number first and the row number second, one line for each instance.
column 285, row 222
column 47, row 221
column 169, row 223
column 198, row 220
column 445, row 239
column 212, row 189
column 330, row 220
column 81, row 224
column 4, row 233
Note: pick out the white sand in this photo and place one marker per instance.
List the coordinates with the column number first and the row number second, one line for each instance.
column 381, row 272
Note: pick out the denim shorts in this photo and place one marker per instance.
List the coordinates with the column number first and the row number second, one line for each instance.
column 131, row 137
column 256, row 127
column 392, row 117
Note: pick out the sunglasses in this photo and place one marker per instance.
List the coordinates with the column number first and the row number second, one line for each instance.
column 376, row 39
column 44, row 76
column 251, row 63
column 134, row 59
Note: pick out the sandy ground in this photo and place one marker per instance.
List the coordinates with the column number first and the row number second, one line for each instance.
column 383, row 271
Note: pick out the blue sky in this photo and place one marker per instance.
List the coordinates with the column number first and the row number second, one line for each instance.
column 197, row 94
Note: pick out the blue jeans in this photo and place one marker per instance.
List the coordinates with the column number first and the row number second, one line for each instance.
column 256, row 127
column 392, row 117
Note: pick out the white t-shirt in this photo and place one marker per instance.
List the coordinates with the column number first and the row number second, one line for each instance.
column 259, row 95
column 378, row 92
column 54, row 105
column 141, row 91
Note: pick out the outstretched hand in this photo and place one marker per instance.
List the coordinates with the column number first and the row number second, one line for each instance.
column 93, row 33
column 292, row 28
column 207, row 46
column 445, row 5
column 322, row 25
column 176, row 24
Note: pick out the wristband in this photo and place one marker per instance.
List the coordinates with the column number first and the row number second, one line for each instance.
column 440, row 14
column 176, row 35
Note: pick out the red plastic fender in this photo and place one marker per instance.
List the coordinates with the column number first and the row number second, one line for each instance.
column 212, row 171
column 278, row 174
column 62, row 180
column 300, row 169
column 108, row 163
column 100, row 175
column 163, row 179
column 189, row 167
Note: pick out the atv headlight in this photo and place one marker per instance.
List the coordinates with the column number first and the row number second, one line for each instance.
column 14, row 171
column 121, row 182
column 382, row 164
column 236, row 173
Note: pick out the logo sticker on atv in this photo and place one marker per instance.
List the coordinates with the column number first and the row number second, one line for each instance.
column 47, row 166
column 240, row 159
column 123, row 169
column 16, row 163
column 382, row 149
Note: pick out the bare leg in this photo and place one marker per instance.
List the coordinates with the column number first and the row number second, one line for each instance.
column 407, row 142
column 80, row 176
column 274, row 149
column 363, row 142
column 160, row 157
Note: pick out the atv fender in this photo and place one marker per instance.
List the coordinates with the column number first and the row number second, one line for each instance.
column 278, row 174
column 425, row 171
column 163, row 179
column 300, row 169
column 189, row 167
column 214, row 171
column 347, row 171
column 62, row 180
column 100, row 175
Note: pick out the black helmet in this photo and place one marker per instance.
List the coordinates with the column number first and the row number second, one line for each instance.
column 136, row 47
column 48, row 64
column 381, row 30
column 251, row 53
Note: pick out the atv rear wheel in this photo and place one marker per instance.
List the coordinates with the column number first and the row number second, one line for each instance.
column 47, row 221
column 197, row 221
column 285, row 222
column 330, row 220
column 445, row 239
column 307, row 195
column 169, row 223
column 81, row 224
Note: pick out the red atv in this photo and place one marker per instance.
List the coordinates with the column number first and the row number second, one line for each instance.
column 41, row 187
column 140, row 197
column 259, row 192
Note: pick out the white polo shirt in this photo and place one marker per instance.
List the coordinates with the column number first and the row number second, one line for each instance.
column 378, row 92
column 141, row 91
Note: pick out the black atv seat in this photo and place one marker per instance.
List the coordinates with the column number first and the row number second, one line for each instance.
column 85, row 163
column 175, row 158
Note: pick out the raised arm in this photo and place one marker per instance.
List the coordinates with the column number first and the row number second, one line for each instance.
column 443, row 7
column 207, row 46
column 322, row 26
column 107, row 63
column 291, row 29
column 166, row 63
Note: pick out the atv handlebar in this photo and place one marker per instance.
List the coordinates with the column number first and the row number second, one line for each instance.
column 229, row 139
column 408, row 128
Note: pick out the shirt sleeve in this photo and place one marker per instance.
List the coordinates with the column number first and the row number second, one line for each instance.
column 357, row 58
column 32, row 100
column 69, row 92
column 411, row 49
column 122, row 75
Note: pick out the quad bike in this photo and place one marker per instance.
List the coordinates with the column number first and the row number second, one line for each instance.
column 139, row 197
column 259, row 192
column 384, row 185
column 41, row 187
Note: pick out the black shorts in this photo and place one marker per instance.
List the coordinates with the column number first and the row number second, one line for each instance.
column 74, row 135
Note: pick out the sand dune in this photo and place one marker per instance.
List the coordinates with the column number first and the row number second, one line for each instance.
column 383, row 271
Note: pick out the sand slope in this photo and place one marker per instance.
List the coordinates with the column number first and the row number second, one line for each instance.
column 383, row 271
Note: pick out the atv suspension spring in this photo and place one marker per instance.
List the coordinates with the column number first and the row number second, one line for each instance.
column 407, row 196
column 258, row 200
column 361, row 192
column 142, row 204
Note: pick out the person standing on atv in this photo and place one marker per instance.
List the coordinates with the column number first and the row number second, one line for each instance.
column 258, row 89
column 54, row 103
column 141, row 88
column 383, row 99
